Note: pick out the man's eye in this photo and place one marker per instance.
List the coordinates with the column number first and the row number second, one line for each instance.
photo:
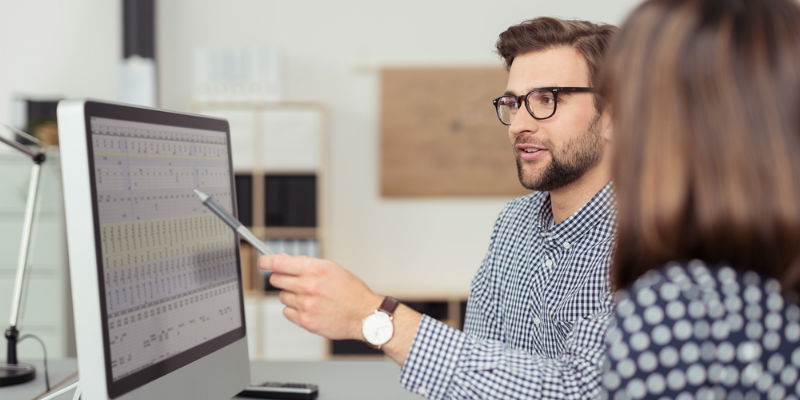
column 544, row 99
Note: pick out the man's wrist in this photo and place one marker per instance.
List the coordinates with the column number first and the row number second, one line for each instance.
column 406, row 322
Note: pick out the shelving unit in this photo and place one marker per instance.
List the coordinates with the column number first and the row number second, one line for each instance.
column 256, row 129
column 279, row 163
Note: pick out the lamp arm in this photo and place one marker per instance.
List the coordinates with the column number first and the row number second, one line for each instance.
column 12, row 372
column 37, row 156
column 25, row 244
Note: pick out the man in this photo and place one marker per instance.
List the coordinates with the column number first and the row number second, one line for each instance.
column 539, row 303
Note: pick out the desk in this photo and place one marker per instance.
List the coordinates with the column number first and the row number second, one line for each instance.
column 351, row 379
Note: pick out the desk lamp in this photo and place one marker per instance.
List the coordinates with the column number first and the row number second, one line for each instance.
column 12, row 372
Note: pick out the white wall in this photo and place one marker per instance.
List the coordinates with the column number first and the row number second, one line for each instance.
column 53, row 48
column 403, row 247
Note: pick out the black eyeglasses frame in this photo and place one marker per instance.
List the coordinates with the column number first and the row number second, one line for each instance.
column 523, row 100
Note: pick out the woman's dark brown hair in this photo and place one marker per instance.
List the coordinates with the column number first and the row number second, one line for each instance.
column 706, row 103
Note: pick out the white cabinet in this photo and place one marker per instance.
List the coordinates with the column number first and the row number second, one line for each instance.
column 271, row 336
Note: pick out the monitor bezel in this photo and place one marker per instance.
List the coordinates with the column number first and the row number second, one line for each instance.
column 136, row 114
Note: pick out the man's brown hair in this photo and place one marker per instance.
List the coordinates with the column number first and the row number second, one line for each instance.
column 705, row 97
column 543, row 33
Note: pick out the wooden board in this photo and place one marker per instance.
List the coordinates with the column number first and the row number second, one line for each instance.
column 440, row 135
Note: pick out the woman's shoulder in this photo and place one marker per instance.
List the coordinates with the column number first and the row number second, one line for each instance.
column 695, row 279
column 699, row 325
column 694, row 290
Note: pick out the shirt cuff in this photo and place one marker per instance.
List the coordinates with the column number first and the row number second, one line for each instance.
column 432, row 360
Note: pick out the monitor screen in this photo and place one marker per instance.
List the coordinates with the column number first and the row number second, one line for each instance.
column 168, row 269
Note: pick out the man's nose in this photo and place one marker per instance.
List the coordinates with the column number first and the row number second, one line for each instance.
column 523, row 122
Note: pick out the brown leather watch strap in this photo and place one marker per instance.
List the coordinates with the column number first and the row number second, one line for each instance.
column 388, row 305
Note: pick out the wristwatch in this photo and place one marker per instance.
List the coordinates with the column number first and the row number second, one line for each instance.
column 377, row 327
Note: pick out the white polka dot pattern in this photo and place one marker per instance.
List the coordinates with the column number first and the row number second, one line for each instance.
column 696, row 331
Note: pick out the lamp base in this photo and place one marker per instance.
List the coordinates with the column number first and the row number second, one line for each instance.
column 14, row 374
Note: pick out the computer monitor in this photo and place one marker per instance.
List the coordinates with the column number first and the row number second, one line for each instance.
column 156, row 283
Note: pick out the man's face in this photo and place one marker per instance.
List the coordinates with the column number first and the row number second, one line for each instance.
column 554, row 152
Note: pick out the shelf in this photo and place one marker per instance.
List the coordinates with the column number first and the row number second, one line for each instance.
column 274, row 171
column 282, row 232
column 201, row 106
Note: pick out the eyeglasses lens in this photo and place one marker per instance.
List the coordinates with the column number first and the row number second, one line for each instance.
column 541, row 103
column 506, row 109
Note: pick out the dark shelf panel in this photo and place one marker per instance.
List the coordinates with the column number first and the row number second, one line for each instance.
column 290, row 200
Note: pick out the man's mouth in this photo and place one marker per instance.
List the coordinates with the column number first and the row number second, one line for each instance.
column 528, row 152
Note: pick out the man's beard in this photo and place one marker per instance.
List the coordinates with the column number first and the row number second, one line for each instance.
column 578, row 156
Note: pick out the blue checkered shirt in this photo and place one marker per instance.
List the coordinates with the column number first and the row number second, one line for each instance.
column 537, row 313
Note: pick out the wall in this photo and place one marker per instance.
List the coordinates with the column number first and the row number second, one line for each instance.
column 55, row 48
column 409, row 248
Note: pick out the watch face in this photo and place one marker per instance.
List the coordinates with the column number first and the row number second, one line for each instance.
column 377, row 328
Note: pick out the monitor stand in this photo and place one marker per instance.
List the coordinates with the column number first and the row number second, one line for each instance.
column 53, row 393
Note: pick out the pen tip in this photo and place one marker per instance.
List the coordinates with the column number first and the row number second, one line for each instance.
column 200, row 194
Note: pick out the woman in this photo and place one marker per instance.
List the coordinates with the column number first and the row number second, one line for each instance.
column 706, row 100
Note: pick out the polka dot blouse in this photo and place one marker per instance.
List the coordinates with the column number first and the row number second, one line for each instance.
column 696, row 331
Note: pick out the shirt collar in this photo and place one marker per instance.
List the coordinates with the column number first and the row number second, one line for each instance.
column 601, row 206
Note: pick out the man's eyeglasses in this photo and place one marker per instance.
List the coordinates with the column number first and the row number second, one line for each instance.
column 540, row 102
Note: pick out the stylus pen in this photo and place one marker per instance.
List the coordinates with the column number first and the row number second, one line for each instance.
column 233, row 222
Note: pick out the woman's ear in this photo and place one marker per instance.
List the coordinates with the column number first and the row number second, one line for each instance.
column 606, row 124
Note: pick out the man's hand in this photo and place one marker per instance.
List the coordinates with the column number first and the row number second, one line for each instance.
column 320, row 295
